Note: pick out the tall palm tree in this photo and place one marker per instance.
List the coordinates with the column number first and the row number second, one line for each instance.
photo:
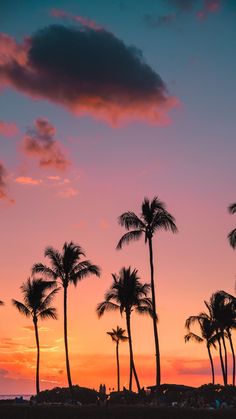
column 232, row 234
column 127, row 294
column 118, row 335
column 67, row 268
column 207, row 329
column 37, row 304
column 153, row 217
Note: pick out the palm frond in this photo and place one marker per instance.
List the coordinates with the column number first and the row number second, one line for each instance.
column 130, row 220
column 232, row 208
column 47, row 301
column 164, row 220
column 193, row 336
column 48, row 313
column 128, row 237
column 232, row 238
column 21, row 308
column 84, row 272
column 106, row 306
column 41, row 268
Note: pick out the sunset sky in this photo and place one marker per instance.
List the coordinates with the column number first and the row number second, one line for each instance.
column 104, row 102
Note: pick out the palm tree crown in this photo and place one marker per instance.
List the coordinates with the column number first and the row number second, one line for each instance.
column 66, row 266
column 153, row 217
column 118, row 334
column 232, row 234
column 126, row 293
column 36, row 300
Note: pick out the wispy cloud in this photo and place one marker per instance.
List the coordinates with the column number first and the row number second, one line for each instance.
column 39, row 142
column 26, row 180
column 84, row 21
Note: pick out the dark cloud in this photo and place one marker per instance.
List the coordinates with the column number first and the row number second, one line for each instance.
column 88, row 71
column 39, row 142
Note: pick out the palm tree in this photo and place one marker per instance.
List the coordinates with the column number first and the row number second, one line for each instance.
column 226, row 317
column 154, row 217
column 207, row 329
column 118, row 335
column 127, row 294
column 222, row 311
column 67, row 268
column 37, row 304
column 232, row 234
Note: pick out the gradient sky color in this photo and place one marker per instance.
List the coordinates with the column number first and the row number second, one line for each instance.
column 187, row 158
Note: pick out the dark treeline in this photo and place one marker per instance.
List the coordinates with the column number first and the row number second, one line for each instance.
column 127, row 294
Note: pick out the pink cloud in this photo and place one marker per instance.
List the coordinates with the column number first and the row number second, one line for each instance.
column 68, row 193
column 8, row 129
column 25, row 180
column 111, row 81
column 39, row 143
column 84, row 21
column 209, row 6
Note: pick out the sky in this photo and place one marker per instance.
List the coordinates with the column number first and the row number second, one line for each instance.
column 103, row 103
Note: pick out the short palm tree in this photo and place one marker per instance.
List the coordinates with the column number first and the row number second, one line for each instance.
column 37, row 304
column 154, row 217
column 226, row 318
column 118, row 335
column 218, row 312
column 67, row 268
column 127, row 294
column 232, row 234
column 207, row 329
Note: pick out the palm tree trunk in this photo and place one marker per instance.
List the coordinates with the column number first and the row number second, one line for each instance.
column 66, row 343
column 156, row 339
column 132, row 366
column 226, row 362
column 35, row 320
column 118, row 365
column 233, row 354
column 212, row 365
column 221, row 361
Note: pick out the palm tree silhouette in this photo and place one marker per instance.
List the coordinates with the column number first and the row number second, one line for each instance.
column 118, row 335
column 232, row 234
column 154, row 217
column 66, row 268
column 225, row 312
column 219, row 312
column 207, row 329
column 127, row 294
column 37, row 304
